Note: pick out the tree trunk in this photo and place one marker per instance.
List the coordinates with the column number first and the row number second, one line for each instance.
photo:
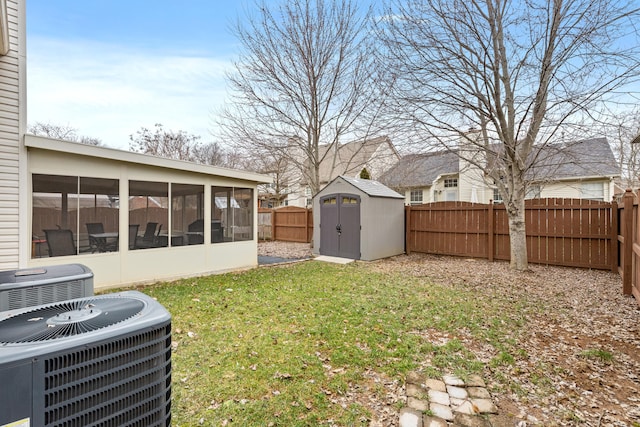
column 517, row 235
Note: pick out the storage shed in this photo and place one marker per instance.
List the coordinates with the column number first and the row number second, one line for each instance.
column 358, row 219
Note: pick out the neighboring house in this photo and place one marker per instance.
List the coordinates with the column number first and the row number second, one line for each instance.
column 375, row 154
column 583, row 169
column 156, row 218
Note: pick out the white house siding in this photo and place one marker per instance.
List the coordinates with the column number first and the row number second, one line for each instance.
column 12, row 106
column 573, row 189
column 426, row 195
column 484, row 193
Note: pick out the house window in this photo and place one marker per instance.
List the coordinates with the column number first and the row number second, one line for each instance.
column 231, row 214
column 451, row 183
column 497, row 197
column 592, row 190
column 450, row 195
column 65, row 210
column 416, row 197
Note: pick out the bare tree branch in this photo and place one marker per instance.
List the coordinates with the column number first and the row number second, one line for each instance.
column 64, row 132
column 181, row 145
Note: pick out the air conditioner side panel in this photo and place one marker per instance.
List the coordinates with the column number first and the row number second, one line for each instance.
column 16, row 392
column 135, row 362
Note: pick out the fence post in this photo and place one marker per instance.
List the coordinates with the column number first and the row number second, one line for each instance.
column 407, row 228
column 306, row 225
column 615, row 253
column 273, row 225
column 627, row 240
column 490, row 231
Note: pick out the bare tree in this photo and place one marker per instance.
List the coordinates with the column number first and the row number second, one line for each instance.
column 621, row 127
column 215, row 155
column 516, row 71
column 271, row 162
column 164, row 143
column 304, row 80
column 181, row 145
column 67, row 133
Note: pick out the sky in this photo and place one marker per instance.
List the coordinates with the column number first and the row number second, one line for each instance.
column 110, row 67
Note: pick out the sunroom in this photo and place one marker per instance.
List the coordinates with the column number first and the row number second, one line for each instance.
column 134, row 218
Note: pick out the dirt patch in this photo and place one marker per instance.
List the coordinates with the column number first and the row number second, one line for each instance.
column 289, row 250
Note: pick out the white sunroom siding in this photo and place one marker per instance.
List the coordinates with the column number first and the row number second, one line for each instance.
column 49, row 156
column 11, row 117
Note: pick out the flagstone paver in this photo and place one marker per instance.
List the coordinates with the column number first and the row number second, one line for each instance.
column 440, row 397
column 450, row 402
column 418, row 404
column 441, row 411
column 410, row 418
column 457, row 392
column 437, row 385
column 478, row 393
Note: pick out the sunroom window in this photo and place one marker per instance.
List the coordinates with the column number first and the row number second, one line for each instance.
column 231, row 214
column 72, row 215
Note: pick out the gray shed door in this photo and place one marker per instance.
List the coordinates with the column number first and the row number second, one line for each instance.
column 340, row 225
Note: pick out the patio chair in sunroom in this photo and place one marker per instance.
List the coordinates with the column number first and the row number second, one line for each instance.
column 99, row 244
column 148, row 240
column 60, row 242
column 133, row 235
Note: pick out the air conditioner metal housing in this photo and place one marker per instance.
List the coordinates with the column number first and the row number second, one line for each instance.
column 115, row 374
column 43, row 285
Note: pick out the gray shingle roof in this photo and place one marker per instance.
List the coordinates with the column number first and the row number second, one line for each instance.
column 578, row 159
column 372, row 188
column 420, row 170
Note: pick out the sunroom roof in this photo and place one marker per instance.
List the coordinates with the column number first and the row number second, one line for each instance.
column 61, row 146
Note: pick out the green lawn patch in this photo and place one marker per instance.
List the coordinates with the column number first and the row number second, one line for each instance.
column 280, row 346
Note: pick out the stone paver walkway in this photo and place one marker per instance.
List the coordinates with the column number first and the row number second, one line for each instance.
column 450, row 402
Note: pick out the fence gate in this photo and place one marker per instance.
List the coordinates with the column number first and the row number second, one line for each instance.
column 340, row 225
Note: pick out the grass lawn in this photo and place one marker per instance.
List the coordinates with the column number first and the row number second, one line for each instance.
column 281, row 346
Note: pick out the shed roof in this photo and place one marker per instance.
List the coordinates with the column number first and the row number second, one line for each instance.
column 76, row 148
column 370, row 187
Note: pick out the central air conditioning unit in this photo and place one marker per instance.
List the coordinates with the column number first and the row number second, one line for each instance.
column 43, row 285
column 97, row 361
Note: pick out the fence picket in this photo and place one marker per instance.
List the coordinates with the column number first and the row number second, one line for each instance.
column 287, row 224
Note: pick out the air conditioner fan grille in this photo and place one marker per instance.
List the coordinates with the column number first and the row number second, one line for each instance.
column 67, row 319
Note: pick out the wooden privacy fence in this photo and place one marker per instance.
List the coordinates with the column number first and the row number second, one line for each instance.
column 628, row 239
column 567, row 232
column 288, row 224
